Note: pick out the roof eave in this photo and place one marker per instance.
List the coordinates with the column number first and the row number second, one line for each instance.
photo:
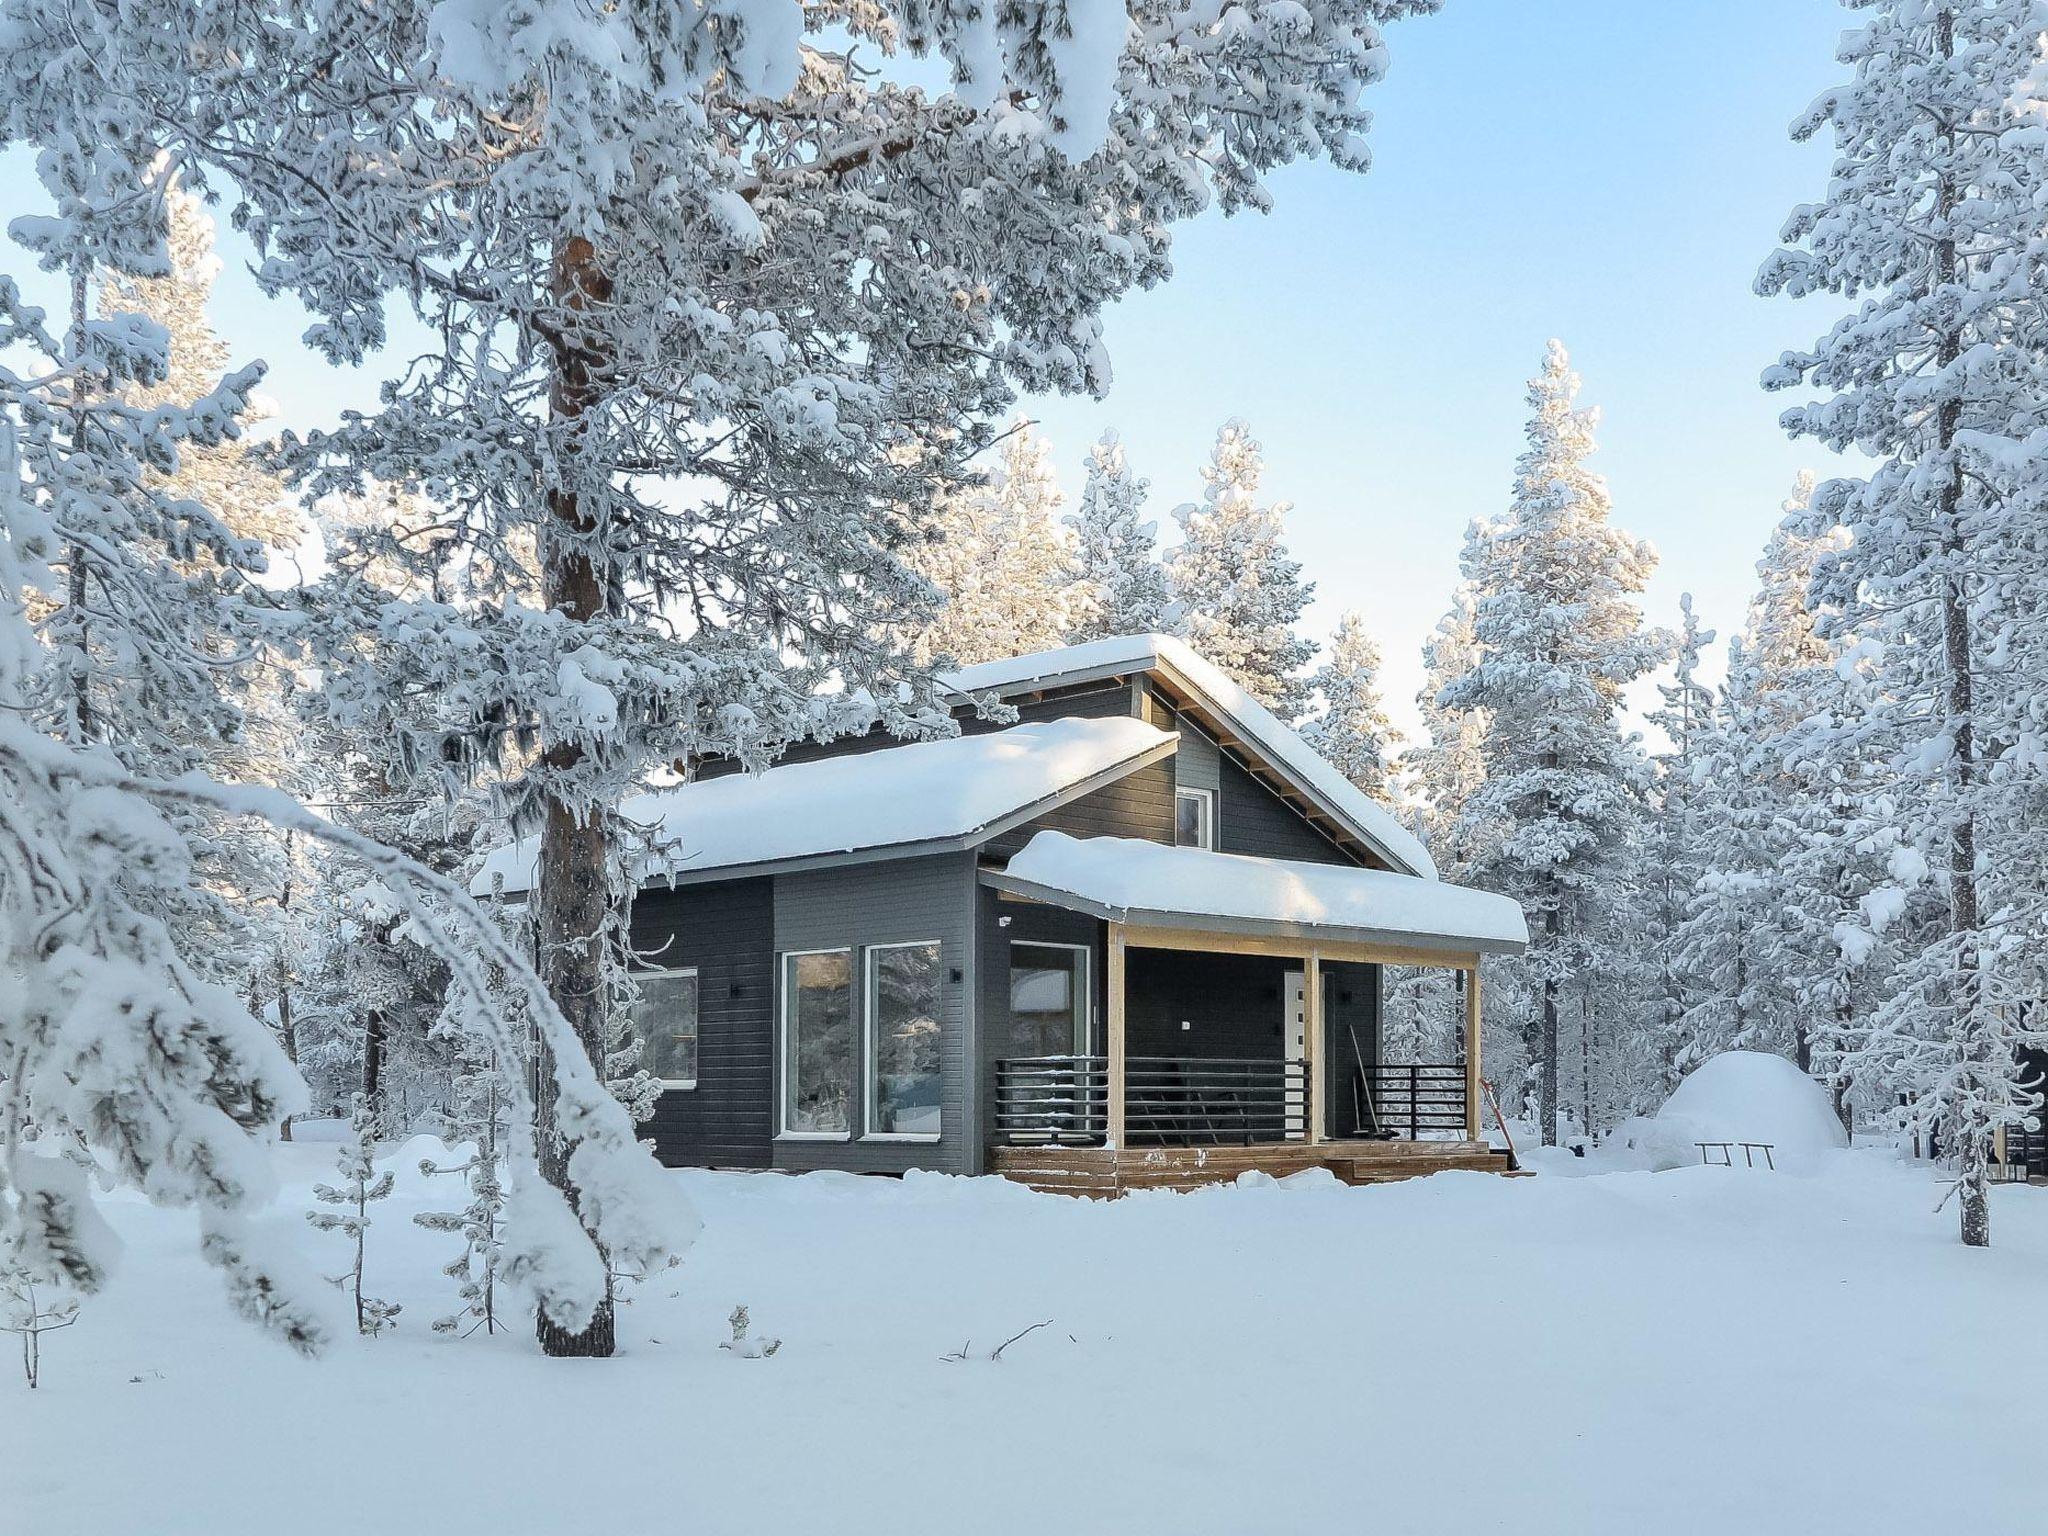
column 962, row 842
column 1149, row 660
column 1152, row 917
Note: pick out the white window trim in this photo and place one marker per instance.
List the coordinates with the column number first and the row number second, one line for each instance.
column 782, row 959
column 1208, row 798
column 1084, row 975
column 679, row 1084
column 872, row 1078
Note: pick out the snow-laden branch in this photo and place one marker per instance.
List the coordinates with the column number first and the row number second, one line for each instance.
column 640, row 1217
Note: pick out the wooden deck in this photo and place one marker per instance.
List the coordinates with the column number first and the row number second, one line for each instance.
column 1103, row 1173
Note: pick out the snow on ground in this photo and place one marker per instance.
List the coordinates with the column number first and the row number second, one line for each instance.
column 1705, row 1350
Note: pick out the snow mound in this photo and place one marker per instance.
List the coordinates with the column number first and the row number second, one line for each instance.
column 1738, row 1096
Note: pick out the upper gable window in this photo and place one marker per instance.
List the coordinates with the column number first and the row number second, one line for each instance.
column 1194, row 818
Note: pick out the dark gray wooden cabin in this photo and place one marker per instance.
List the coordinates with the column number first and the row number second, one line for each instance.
column 1136, row 937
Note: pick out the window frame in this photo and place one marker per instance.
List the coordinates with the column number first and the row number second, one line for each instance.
column 1084, row 975
column 678, row 1084
column 871, row 1076
column 1207, row 799
column 782, row 1027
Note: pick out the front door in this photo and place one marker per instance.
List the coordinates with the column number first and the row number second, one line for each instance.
column 1294, row 1045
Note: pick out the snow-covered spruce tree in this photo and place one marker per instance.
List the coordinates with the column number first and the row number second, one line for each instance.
column 1443, row 770
column 1352, row 730
column 1238, row 594
column 1932, row 219
column 1676, row 846
column 1560, row 636
column 722, row 296
column 1001, row 559
column 360, row 1187
column 237, row 936
column 1119, row 585
column 1731, row 901
column 119, row 601
column 1836, row 831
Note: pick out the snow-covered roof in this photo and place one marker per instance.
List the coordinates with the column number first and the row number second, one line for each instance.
column 1275, row 743
column 1154, row 884
column 929, row 796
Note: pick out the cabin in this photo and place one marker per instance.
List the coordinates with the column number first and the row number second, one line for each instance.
column 1137, row 938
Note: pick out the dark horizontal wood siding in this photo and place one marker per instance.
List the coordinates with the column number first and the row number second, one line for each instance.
column 901, row 901
column 1138, row 805
column 1351, row 1013
column 1003, row 923
column 1252, row 819
column 726, row 930
column 1234, row 1005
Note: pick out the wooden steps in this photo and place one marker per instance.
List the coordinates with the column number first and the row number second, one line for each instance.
column 1102, row 1173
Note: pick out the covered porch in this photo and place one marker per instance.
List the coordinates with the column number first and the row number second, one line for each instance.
column 1247, row 1038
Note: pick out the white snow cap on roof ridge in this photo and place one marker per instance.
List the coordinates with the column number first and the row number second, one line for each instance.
column 920, row 792
column 1277, row 740
column 1124, row 876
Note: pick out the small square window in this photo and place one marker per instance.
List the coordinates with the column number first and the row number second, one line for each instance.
column 1194, row 818
column 665, row 1019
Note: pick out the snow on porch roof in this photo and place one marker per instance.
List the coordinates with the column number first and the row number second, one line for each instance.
column 924, row 796
column 1151, row 883
column 1277, row 743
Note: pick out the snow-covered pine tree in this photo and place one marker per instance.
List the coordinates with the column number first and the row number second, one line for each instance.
column 1002, row 560
column 1932, row 219
column 1560, row 637
column 1352, row 730
column 1238, row 594
column 1676, row 844
column 119, row 602
column 1119, row 584
column 360, row 1187
column 722, row 297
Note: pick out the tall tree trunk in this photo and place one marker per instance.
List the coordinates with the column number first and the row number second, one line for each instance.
column 77, row 583
column 287, row 1032
column 1971, row 1140
column 1546, row 1083
column 571, row 894
column 375, row 1028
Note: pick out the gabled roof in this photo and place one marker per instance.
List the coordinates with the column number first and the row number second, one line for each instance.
column 1155, row 885
column 1244, row 726
column 893, row 802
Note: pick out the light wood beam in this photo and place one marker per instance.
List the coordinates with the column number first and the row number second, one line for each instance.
column 1113, row 1026
column 1472, row 1070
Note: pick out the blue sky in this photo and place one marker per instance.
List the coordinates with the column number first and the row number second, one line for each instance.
column 1610, row 172
column 1607, row 171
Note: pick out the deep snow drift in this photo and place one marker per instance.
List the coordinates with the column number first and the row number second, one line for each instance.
column 1735, row 1097
column 1709, row 1350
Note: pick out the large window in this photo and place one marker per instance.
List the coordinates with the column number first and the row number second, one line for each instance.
column 904, row 1005
column 1048, row 999
column 665, row 1019
column 1194, row 818
column 817, row 1043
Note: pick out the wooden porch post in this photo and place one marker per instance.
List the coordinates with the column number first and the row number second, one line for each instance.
column 1312, row 1043
column 1472, row 1071
column 1114, row 1030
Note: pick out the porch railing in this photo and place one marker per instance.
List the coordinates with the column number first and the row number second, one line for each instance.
column 1168, row 1100
column 1412, row 1100
column 1052, row 1100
